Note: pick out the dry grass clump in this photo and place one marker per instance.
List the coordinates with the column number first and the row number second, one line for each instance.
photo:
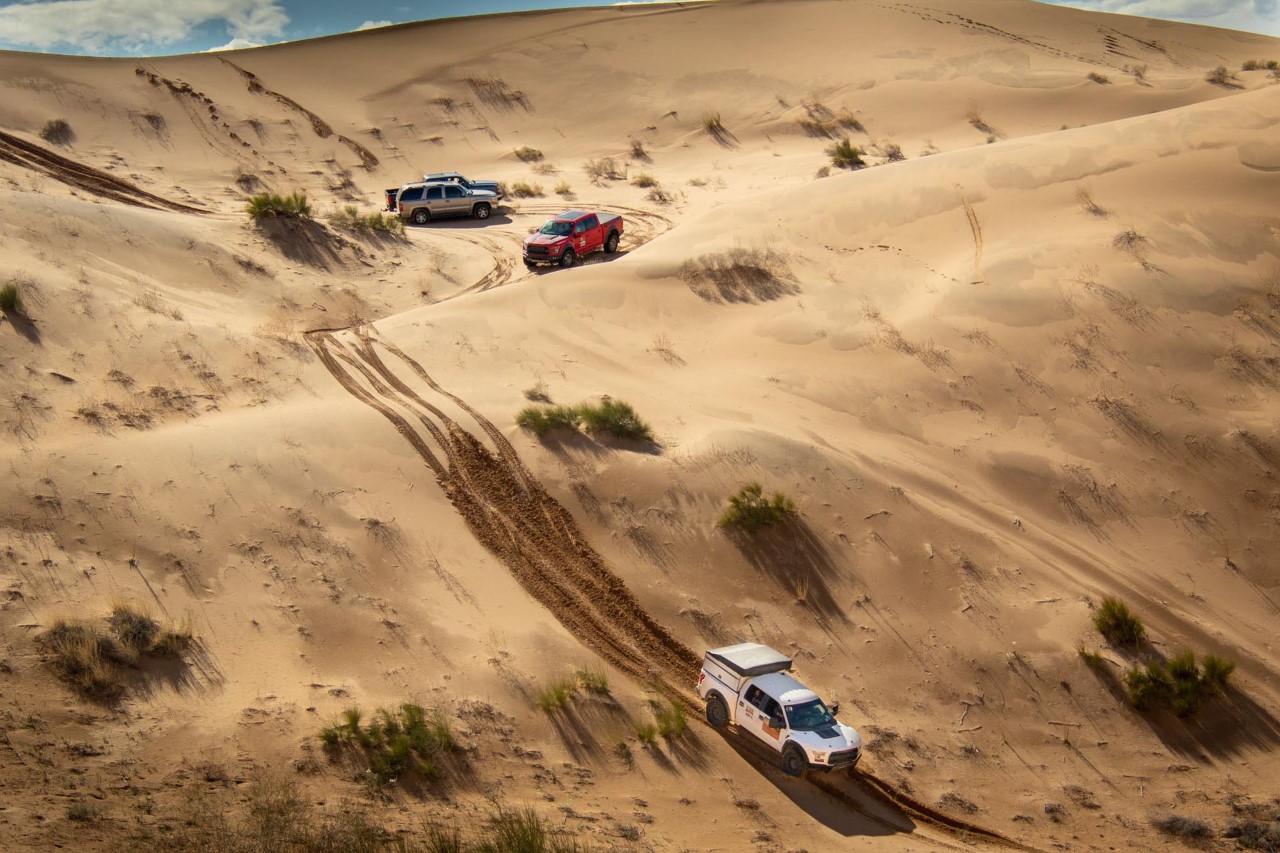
column 750, row 510
column 1100, row 79
column 845, row 155
column 528, row 155
column 523, row 189
column 557, row 694
column 819, row 120
column 564, row 189
column 348, row 217
column 1182, row 827
column 92, row 657
column 57, row 132
column 670, row 719
column 1260, row 65
column 406, row 740
column 604, row 169
column 644, row 180
column 1222, row 76
column 638, row 152
column 739, row 275
column 263, row 205
column 1085, row 198
column 593, row 680
column 658, row 195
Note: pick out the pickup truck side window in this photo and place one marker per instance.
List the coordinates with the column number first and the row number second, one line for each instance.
column 773, row 710
column 435, row 194
column 588, row 223
column 757, row 697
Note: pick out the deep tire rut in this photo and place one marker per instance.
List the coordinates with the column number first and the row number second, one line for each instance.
column 510, row 513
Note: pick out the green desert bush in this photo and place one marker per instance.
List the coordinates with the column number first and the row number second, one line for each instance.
column 750, row 510
column 1117, row 623
column 11, row 299
column 350, row 218
column 593, row 680
column 845, row 155
column 1215, row 671
column 615, row 417
column 646, row 732
column 1148, row 686
column 294, row 206
column 408, row 739
column 1180, row 684
column 528, row 155
column 557, row 694
column 542, row 419
column 671, row 720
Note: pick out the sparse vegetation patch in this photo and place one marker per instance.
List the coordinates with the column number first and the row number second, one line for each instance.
column 294, row 206
column 524, row 189
column 604, row 169
column 1100, row 79
column 739, row 275
column 611, row 416
column 57, row 132
column 406, row 740
column 845, row 155
column 528, row 155
column 750, row 510
column 1117, row 623
column 349, row 218
column 11, row 299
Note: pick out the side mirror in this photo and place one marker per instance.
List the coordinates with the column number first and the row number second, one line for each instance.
column 835, row 708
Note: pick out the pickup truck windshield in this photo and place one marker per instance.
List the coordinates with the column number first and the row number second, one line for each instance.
column 558, row 229
column 809, row 716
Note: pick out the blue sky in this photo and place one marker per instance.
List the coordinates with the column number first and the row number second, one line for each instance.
column 156, row 27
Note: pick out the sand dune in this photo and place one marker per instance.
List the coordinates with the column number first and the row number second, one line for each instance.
column 1026, row 359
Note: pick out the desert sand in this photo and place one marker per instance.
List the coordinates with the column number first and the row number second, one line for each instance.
column 1025, row 359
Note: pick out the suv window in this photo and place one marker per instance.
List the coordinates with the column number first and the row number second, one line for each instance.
column 435, row 194
column 411, row 194
column 454, row 191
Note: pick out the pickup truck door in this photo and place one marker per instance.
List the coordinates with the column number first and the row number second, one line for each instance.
column 586, row 235
column 756, row 710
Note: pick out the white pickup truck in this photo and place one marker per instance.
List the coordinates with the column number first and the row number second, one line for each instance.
column 747, row 685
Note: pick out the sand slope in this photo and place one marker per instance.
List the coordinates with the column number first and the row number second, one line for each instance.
column 1032, row 368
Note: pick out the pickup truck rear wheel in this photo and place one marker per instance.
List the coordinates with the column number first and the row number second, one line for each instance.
column 421, row 216
column 794, row 761
column 611, row 245
column 481, row 211
column 717, row 712
column 568, row 259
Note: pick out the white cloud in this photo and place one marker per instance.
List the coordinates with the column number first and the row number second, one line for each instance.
column 371, row 25
column 1251, row 15
column 132, row 25
column 236, row 43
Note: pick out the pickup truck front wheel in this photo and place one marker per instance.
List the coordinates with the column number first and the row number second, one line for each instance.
column 794, row 761
column 568, row 259
column 717, row 712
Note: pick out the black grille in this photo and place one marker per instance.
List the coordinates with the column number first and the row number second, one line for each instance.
column 537, row 251
column 847, row 756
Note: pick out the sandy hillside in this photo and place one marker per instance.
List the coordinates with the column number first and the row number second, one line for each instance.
column 1026, row 358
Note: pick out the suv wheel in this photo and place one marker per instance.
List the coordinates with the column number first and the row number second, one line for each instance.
column 717, row 712
column 421, row 216
column 568, row 259
column 481, row 211
column 794, row 762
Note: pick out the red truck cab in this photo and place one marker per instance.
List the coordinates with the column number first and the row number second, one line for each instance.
column 564, row 239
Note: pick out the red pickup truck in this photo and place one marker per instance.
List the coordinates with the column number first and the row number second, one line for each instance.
column 574, row 233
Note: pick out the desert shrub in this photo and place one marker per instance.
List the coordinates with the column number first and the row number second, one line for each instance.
column 1139, row 73
column 616, row 418
column 606, row 168
column 10, row 299
column 528, row 155
column 750, row 510
column 645, row 732
column 563, row 188
column 1094, row 660
column 136, row 630
column 823, row 171
column 57, row 132
column 1215, row 671
column 712, row 124
column 542, row 419
column 893, row 152
column 350, row 218
column 86, row 657
column 1220, row 76
column 524, row 189
column 1251, row 65
column 557, row 694
column 395, row 742
column 82, row 811
column 265, row 204
column 524, row 831
column 593, row 680
column 1147, row 686
column 658, row 195
column 1251, row 834
column 1100, row 79
column 1117, row 623
column 845, row 155
column 739, row 275
column 638, row 152
column 1186, row 691
column 1182, row 827
column 671, row 720
column 644, row 180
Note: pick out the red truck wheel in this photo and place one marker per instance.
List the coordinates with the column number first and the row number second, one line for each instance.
column 568, row 259
column 611, row 245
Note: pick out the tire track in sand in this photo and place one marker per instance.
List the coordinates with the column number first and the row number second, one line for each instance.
column 512, row 515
